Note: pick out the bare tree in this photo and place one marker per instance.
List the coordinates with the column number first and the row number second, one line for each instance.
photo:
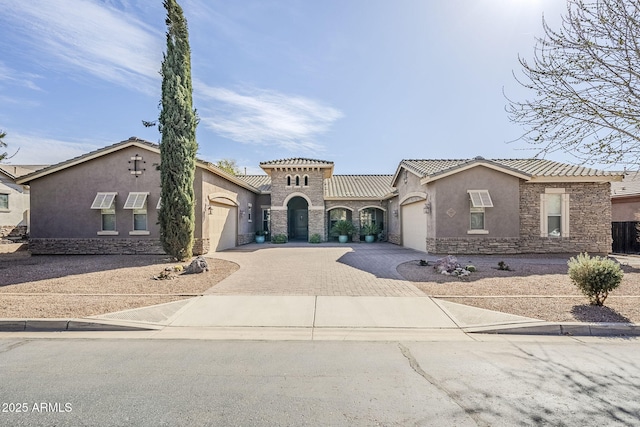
column 584, row 80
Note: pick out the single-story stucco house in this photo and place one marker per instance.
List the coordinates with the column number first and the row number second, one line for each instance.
column 14, row 201
column 107, row 201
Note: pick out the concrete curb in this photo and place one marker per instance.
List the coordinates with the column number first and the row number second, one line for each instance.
column 60, row 325
column 568, row 329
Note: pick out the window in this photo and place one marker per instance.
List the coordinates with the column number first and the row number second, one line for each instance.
column 106, row 203
column 137, row 202
column 306, row 180
column 4, row 202
column 479, row 200
column 476, row 219
column 297, row 180
column 140, row 220
column 266, row 217
column 108, row 220
column 288, row 180
column 554, row 213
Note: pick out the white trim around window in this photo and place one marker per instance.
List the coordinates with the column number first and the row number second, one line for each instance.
column 4, row 202
column 554, row 213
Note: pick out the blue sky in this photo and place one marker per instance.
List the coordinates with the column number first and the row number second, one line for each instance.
column 363, row 83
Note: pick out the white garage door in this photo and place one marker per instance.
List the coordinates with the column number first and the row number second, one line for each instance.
column 414, row 226
column 223, row 227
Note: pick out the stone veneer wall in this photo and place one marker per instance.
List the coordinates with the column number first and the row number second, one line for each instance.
column 201, row 246
column 280, row 191
column 246, row 238
column 589, row 219
column 396, row 239
column 94, row 246
column 317, row 220
column 589, row 222
column 13, row 231
column 473, row 245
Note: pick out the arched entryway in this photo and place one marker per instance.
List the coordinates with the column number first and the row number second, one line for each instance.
column 337, row 214
column 298, row 218
column 372, row 216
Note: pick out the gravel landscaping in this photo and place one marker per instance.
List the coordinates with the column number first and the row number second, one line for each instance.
column 534, row 287
column 86, row 285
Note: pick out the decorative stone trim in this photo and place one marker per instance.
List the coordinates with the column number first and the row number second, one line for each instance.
column 13, row 231
column 95, row 246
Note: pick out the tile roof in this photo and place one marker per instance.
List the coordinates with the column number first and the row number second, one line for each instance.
column 260, row 182
column 16, row 171
column 629, row 186
column 358, row 186
column 533, row 167
column 297, row 161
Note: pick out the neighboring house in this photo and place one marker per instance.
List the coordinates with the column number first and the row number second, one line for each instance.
column 14, row 201
column 107, row 202
column 625, row 213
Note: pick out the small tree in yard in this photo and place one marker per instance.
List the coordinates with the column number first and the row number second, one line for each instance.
column 595, row 276
column 178, row 146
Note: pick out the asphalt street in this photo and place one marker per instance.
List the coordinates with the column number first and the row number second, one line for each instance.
column 492, row 381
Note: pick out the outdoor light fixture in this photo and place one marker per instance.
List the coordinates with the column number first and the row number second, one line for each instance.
column 395, row 213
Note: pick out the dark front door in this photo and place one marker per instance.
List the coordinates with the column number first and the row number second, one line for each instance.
column 301, row 224
column 298, row 219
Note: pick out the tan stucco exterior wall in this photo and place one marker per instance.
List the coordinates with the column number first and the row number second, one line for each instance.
column 624, row 209
column 211, row 186
column 450, row 197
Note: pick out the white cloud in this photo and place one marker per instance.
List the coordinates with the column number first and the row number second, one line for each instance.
column 86, row 36
column 12, row 76
column 37, row 150
column 265, row 117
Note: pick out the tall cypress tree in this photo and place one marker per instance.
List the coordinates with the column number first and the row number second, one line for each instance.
column 178, row 146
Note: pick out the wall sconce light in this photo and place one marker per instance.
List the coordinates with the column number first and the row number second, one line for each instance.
column 395, row 213
column 210, row 209
column 241, row 213
column 427, row 207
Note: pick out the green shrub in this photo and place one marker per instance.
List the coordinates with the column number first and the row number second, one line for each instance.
column 315, row 238
column 279, row 238
column 595, row 276
column 343, row 228
column 471, row 268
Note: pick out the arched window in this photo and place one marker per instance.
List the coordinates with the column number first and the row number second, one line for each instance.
column 288, row 180
column 306, row 180
column 297, row 180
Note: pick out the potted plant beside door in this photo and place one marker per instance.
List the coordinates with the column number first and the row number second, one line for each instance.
column 343, row 229
column 260, row 235
column 370, row 230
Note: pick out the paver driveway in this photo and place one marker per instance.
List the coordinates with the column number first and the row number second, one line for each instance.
column 325, row 269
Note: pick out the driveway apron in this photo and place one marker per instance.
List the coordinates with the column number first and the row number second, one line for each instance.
column 317, row 270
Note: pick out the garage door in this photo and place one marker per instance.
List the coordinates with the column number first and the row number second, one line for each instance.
column 414, row 226
column 223, row 227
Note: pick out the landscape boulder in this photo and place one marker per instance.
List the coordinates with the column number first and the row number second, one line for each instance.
column 198, row 265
